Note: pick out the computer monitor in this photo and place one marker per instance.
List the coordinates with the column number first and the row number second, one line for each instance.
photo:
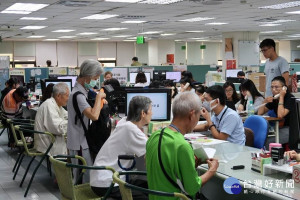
column 54, row 81
column 159, row 75
column 176, row 76
column 132, row 76
column 161, row 102
column 235, row 80
column 232, row 72
column 73, row 77
column 20, row 78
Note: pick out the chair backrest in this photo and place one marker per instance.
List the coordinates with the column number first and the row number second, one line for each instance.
column 125, row 188
column 249, row 137
column 259, row 126
column 64, row 178
column 22, row 128
column 13, row 122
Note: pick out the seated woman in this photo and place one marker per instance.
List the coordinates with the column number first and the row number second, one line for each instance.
column 141, row 80
column 172, row 85
column 249, row 93
column 126, row 139
column 186, row 85
column 231, row 96
column 47, row 93
column 280, row 105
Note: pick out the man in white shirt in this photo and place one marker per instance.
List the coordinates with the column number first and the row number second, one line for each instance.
column 126, row 139
column 52, row 117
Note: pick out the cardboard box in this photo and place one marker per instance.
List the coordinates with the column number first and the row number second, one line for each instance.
column 262, row 83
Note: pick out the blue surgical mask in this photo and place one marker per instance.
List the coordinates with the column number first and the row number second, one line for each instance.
column 92, row 84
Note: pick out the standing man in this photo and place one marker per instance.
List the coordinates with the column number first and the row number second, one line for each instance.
column 135, row 62
column 275, row 65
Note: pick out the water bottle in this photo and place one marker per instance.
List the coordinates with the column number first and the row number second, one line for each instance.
column 251, row 109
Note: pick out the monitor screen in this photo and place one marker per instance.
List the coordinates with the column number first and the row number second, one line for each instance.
column 232, row 72
column 176, row 76
column 161, row 102
column 20, row 78
column 159, row 75
column 74, row 79
column 54, row 81
column 132, row 76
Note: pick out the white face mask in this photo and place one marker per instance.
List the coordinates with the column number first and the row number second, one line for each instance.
column 207, row 105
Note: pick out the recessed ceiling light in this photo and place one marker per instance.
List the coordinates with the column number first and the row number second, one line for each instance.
column 216, row 23
column 23, row 8
column 100, row 39
column 99, row 16
column 197, row 19
column 167, row 34
column 87, row 33
column 67, row 37
column 282, row 5
column 123, row 1
column 51, row 39
column 282, row 21
column 133, row 38
column 113, row 29
column 63, row 31
column 265, row 32
column 33, row 27
column 33, row 18
column 178, row 40
column 197, row 38
column 294, row 12
column 150, row 32
column 194, row 31
column 202, row 40
column 160, row 1
column 269, row 24
column 133, row 22
column 36, row 36
column 121, row 36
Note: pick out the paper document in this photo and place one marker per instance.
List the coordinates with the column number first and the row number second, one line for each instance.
column 204, row 153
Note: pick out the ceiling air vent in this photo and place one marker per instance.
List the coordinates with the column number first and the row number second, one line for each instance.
column 71, row 3
column 131, row 16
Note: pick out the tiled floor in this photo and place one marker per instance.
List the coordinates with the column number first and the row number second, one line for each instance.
column 42, row 188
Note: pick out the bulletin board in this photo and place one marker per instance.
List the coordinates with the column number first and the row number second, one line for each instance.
column 248, row 53
column 121, row 74
column 37, row 72
column 4, row 76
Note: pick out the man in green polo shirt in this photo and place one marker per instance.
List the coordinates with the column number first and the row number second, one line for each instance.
column 176, row 154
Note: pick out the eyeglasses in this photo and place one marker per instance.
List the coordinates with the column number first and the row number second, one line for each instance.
column 228, row 91
column 264, row 50
column 276, row 87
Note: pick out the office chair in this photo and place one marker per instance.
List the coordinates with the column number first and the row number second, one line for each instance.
column 259, row 126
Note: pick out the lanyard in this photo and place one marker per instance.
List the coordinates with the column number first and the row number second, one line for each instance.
column 222, row 117
column 175, row 127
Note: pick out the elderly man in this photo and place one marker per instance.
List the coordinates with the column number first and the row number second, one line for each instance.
column 167, row 149
column 225, row 124
column 52, row 117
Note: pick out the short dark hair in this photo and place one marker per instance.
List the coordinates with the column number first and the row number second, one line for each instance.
column 22, row 92
column 12, row 81
column 135, row 59
column 140, row 78
column 217, row 92
column 267, row 43
column 280, row 79
column 48, row 62
column 200, row 88
column 187, row 74
column 113, row 82
column 241, row 73
column 108, row 72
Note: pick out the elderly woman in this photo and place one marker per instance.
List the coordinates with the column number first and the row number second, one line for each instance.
column 90, row 71
column 126, row 139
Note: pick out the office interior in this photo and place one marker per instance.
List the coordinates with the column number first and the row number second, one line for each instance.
column 194, row 32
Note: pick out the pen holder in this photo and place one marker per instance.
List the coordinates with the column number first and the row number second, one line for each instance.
column 257, row 163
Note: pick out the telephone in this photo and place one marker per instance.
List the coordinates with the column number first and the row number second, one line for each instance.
column 186, row 86
column 278, row 95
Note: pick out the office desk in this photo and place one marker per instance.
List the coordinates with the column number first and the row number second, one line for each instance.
column 240, row 155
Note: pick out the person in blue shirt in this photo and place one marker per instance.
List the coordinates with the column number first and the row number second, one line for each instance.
column 225, row 123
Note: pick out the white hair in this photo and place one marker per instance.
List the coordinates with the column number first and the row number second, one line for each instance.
column 60, row 88
column 90, row 68
column 185, row 102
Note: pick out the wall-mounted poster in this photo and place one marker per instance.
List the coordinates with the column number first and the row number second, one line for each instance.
column 230, row 64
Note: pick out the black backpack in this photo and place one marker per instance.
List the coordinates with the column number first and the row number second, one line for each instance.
column 98, row 131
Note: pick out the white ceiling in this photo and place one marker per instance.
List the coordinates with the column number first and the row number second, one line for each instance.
column 241, row 15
